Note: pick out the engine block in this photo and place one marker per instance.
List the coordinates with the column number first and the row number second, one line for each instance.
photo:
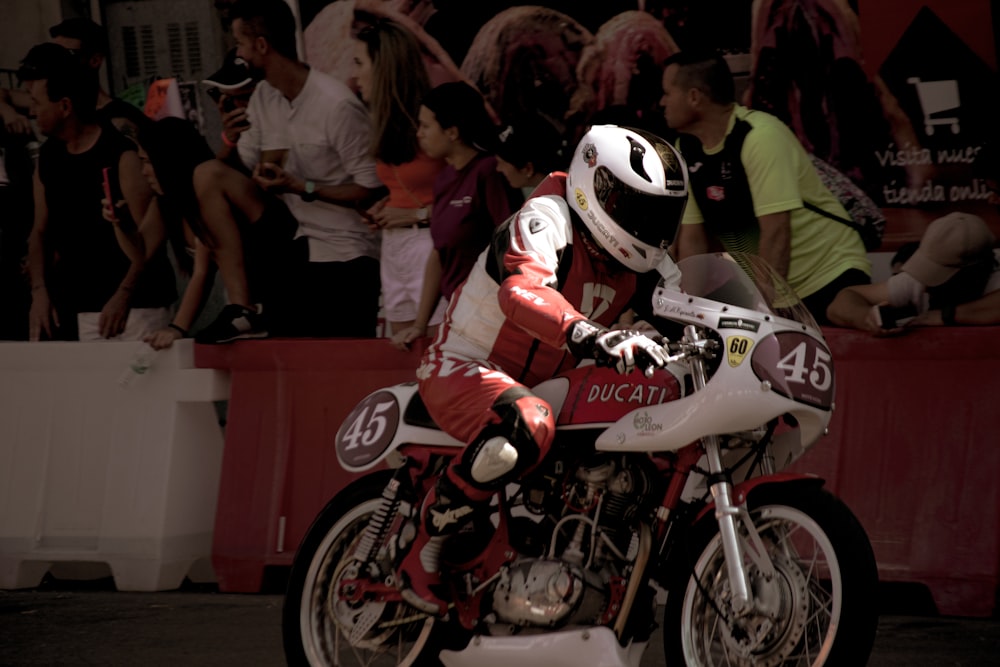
column 547, row 593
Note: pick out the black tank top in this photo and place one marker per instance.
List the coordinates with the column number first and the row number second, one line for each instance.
column 88, row 263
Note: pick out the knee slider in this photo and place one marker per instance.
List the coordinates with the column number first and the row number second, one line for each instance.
column 492, row 460
column 504, row 450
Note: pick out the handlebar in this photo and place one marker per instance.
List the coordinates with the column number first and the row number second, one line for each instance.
column 685, row 349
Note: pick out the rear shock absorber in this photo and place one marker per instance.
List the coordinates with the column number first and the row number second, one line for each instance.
column 381, row 520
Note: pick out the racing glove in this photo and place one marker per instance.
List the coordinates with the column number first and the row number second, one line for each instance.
column 621, row 349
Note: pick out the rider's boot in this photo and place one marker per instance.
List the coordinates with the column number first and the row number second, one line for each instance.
column 463, row 491
column 445, row 510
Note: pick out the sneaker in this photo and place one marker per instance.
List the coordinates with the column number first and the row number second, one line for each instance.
column 233, row 323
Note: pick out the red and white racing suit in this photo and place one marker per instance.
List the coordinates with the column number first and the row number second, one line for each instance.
column 505, row 330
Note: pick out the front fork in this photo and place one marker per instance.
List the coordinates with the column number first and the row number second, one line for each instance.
column 727, row 513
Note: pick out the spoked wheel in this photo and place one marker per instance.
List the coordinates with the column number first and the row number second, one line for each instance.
column 816, row 610
column 320, row 627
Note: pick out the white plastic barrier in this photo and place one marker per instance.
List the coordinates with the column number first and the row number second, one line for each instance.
column 91, row 472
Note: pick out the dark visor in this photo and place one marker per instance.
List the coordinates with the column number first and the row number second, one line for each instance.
column 653, row 219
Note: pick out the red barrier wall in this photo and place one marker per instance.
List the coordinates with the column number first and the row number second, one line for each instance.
column 279, row 468
column 912, row 450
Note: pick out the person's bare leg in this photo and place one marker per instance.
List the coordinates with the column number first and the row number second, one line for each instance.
column 223, row 232
column 227, row 251
column 232, row 270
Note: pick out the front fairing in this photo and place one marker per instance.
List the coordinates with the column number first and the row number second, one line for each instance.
column 773, row 360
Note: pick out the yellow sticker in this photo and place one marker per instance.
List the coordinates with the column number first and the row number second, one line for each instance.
column 581, row 199
column 737, row 348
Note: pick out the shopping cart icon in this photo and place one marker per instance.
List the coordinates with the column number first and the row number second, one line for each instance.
column 937, row 97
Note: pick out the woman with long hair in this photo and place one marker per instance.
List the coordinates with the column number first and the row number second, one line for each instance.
column 470, row 197
column 392, row 79
column 225, row 222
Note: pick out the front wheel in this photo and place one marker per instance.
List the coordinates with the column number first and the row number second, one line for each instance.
column 817, row 611
column 319, row 628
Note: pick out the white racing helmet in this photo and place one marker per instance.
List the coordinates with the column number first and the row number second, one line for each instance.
column 629, row 187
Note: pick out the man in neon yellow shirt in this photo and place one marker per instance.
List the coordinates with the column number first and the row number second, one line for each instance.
column 754, row 188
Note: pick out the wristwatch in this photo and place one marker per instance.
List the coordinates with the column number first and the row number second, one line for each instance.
column 310, row 192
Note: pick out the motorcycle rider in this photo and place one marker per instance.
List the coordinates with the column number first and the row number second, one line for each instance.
column 580, row 252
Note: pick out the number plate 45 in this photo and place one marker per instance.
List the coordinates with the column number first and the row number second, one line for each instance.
column 368, row 430
column 797, row 366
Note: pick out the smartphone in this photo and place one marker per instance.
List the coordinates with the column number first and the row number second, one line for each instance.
column 893, row 318
column 229, row 104
column 107, row 188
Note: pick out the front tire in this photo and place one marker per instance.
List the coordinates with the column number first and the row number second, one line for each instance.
column 818, row 611
column 321, row 629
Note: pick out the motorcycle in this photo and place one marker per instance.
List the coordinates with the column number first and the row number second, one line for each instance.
column 668, row 487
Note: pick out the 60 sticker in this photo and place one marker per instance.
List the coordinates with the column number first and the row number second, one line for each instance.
column 737, row 348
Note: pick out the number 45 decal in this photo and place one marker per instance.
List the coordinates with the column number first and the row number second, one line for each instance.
column 365, row 430
column 368, row 430
column 802, row 369
column 818, row 373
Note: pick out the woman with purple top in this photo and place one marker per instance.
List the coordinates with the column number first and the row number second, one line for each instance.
column 470, row 197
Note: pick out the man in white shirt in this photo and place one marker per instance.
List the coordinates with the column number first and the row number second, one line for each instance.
column 328, row 176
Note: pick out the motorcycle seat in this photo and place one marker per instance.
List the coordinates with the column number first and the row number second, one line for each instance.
column 416, row 413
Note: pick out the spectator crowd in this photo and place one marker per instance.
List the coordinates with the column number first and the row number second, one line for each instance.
column 331, row 203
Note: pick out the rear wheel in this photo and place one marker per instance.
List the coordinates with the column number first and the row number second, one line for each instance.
column 818, row 609
column 321, row 628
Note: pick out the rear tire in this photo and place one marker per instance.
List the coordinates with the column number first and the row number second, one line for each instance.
column 317, row 626
column 818, row 611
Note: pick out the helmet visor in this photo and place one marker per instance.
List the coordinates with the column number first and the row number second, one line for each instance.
column 652, row 219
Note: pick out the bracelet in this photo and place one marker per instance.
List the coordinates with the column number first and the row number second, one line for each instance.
column 183, row 332
column 227, row 141
column 948, row 314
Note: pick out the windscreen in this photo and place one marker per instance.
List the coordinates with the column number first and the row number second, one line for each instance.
column 745, row 281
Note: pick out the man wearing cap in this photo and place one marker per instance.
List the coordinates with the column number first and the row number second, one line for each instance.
column 953, row 266
column 244, row 143
column 329, row 175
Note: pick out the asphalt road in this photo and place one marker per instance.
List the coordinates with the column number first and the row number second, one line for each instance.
column 170, row 629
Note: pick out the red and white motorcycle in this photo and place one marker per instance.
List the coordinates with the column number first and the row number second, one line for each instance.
column 668, row 485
